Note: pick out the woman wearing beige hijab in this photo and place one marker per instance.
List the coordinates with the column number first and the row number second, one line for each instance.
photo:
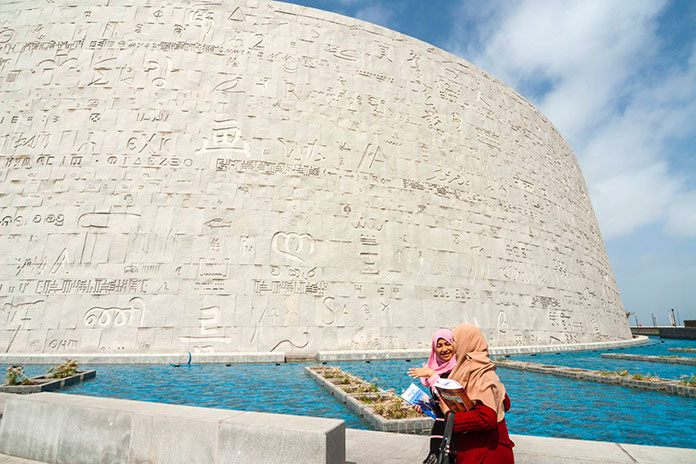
column 480, row 434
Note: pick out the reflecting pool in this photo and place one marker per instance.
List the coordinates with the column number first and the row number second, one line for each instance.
column 542, row 405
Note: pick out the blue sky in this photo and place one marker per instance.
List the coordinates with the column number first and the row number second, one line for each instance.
column 618, row 79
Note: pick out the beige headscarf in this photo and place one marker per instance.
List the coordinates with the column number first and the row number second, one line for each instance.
column 474, row 369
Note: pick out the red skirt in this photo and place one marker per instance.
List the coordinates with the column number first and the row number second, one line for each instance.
column 485, row 446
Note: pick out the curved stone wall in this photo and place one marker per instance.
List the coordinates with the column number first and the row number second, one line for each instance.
column 258, row 176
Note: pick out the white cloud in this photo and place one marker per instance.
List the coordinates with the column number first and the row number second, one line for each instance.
column 376, row 14
column 625, row 201
column 619, row 111
column 681, row 216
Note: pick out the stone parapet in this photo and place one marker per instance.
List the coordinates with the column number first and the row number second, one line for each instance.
column 56, row 428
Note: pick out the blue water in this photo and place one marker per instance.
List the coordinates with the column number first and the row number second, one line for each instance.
column 593, row 360
column 542, row 405
column 283, row 389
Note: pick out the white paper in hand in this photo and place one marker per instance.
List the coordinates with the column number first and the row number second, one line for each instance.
column 448, row 384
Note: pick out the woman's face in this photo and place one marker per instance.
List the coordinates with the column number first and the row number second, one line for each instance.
column 444, row 349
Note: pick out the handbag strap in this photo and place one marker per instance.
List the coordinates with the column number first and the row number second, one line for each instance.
column 447, row 448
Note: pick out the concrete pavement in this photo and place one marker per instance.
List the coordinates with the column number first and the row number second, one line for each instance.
column 367, row 447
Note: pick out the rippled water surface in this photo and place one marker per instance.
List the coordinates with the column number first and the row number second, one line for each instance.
column 541, row 404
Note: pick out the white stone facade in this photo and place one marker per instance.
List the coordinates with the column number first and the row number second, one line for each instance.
column 258, row 176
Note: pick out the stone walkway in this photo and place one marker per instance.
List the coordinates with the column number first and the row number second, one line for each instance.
column 366, row 447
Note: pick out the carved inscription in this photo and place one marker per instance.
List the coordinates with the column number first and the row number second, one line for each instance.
column 130, row 316
column 292, row 245
column 334, row 184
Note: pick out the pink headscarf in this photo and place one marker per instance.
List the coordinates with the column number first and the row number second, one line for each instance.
column 437, row 364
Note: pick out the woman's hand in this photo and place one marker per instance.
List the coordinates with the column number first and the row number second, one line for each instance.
column 424, row 371
column 443, row 407
column 417, row 408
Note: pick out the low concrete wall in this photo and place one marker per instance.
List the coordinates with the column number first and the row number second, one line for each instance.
column 60, row 428
column 161, row 358
column 681, row 333
column 368, row 355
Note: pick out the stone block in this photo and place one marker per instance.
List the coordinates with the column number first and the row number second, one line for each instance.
column 73, row 429
column 177, row 434
column 272, row 438
column 31, row 429
column 94, row 436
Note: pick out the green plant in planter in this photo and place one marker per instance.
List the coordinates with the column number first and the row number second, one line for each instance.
column 394, row 408
column 15, row 376
column 367, row 399
column 67, row 369
column 368, row 388
column 688, row 381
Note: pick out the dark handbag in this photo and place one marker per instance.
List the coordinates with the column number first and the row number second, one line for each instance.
column 448, row 451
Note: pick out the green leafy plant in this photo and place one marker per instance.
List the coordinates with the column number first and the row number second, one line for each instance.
column 15, row 376
column 345, row 380
column 689, row 381
column 646, row 377
column 368, row 388
column 67, row 369
column 367, row 398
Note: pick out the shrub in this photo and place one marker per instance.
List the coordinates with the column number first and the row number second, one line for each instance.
column 15, row 376
column 68, row 368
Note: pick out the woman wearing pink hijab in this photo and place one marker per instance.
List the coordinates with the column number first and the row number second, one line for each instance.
column 440, row 363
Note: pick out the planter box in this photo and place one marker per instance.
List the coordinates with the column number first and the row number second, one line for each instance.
column 413, row 425
column 43, row 383
column 670, row 386
column 655, row 359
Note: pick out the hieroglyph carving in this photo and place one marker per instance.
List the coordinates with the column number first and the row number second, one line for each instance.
column 268, row 177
